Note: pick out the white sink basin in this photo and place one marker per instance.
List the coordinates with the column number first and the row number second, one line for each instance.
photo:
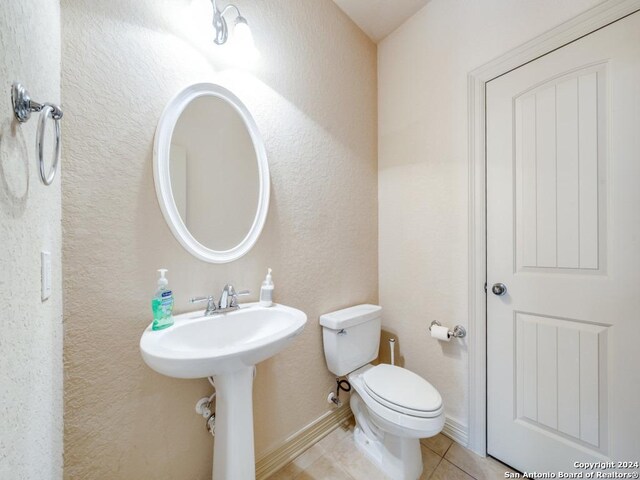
column 225, row 347
column 197, row 346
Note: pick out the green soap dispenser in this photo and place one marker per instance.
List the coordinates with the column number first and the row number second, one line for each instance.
column 162, row 303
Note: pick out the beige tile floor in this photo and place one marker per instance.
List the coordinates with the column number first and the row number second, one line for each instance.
column 336, row 457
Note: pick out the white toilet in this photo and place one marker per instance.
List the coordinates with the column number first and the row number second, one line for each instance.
column 393, row 406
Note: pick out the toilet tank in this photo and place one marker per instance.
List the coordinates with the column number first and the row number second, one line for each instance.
column 351, row 337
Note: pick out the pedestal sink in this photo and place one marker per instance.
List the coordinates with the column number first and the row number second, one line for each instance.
column 226, row 347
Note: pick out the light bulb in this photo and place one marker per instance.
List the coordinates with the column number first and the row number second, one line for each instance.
column 242, row 34
column 244, row 48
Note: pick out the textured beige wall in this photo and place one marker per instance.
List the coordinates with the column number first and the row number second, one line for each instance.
column 30, row 330
column 423, row 174
column 314, row 99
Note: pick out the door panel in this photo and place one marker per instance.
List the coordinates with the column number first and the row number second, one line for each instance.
column 563, row 233
column 556, row 143
column 557, row 366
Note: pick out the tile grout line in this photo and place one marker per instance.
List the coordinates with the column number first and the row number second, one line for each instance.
column 455, row 465
column 460, row 468
column 436, row 467
column 432, row 451
column 447, row 450
column 452, row 462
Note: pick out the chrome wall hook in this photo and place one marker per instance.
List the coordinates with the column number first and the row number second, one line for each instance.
column 23, row 106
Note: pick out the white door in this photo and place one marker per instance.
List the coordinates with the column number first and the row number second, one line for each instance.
column 563, row 236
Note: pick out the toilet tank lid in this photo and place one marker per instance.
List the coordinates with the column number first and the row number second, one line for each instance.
column 348, row 317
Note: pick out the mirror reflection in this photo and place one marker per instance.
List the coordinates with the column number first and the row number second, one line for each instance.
column 214, row 173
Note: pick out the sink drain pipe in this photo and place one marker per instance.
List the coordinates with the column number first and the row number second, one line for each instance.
column 203, row 408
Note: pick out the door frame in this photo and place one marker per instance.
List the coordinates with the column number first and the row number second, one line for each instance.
column 593, row 19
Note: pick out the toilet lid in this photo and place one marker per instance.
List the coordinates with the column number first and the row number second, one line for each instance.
column 402, row 390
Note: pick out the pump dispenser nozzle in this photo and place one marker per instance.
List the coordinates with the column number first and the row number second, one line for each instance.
column 162, row 281
column 266, row 292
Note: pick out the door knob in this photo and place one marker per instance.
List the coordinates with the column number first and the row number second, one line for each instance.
column 499, row 289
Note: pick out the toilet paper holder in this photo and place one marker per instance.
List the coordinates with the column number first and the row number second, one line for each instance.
column 458, row 331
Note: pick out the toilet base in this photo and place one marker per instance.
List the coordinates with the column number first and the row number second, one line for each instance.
column 399, row 458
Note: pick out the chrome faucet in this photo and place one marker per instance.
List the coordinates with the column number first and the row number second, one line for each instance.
column 228, row 301
column 224, row 297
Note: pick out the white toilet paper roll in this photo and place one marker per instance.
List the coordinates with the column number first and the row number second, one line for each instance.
column 441, row 333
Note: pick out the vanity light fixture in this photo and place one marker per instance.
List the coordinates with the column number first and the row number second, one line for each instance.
column 242, row 32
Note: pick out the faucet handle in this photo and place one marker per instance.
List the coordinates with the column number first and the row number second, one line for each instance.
column 234, row 295
column 200, row 299
column 211, row 303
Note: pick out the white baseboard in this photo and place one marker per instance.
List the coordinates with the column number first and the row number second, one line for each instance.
column 300, row 441
column 456, row 431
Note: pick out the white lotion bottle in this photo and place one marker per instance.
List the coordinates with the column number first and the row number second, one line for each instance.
column 266, row 292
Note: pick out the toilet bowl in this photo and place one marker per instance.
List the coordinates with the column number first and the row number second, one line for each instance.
column 393, row 406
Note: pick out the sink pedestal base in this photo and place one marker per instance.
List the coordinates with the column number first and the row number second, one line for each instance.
column 233, row 455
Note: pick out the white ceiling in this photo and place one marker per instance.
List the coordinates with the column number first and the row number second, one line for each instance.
column 378, row 18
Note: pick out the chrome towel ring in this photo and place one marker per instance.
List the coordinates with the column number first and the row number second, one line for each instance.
column 23, row 106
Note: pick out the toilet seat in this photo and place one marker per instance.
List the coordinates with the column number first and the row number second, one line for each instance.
column 388, row 416
column 402, row 391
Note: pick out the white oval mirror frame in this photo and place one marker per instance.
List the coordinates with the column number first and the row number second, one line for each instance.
column 162, row 179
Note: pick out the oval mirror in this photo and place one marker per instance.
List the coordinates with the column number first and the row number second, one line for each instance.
column 211, row 173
